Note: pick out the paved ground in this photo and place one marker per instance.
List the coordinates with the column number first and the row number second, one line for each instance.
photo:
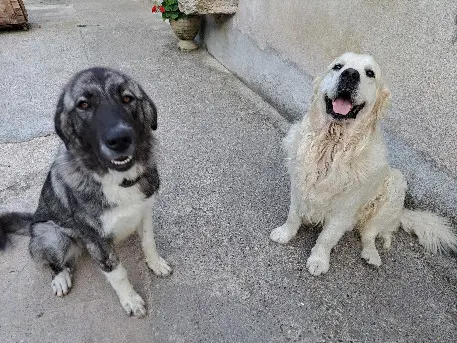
column 224, row 188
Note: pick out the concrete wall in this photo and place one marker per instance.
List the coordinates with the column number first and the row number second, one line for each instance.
column 278, row 47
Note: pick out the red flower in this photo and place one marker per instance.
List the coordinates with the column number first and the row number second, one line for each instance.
column 154, row 9
column 162, row 9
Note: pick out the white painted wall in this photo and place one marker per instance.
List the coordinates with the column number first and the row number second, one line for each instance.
column 278, row 47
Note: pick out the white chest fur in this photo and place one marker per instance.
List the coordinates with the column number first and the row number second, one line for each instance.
column 129, row 207
column 332, row 172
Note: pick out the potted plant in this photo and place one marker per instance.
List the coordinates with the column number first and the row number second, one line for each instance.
column 184, row 26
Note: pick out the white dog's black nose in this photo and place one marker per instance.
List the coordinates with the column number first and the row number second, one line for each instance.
column 119, row 138
column 350, row 75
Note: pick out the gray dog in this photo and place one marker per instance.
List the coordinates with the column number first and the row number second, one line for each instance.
column 101, row 186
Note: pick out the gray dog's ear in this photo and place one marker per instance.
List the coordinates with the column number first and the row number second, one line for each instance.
column 63, row 124
column 149, row 111
column 58, row 117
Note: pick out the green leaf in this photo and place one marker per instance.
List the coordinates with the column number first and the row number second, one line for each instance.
column 174, row 15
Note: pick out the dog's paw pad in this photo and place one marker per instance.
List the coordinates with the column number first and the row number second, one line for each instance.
column 133, row 304
column 61, row 283
column 371, row 256
column 160, row 267
column 282, row 234
column 317, row 265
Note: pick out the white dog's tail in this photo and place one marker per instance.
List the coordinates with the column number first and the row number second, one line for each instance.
column 435, row 233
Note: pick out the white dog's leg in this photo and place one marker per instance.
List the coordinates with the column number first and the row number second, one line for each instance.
column 386, row 220
column 383, row 224
column 319, row 260
column 387, row 237
column 369, row 251
column 130, row 300
column 155, row 262
column 283, row 234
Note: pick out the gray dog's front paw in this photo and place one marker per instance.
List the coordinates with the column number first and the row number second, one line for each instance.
column 133, row 304
column 160, row 267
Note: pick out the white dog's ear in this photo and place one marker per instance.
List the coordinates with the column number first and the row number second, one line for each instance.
column 332, row 64
column 316, row 83
column 382, row 101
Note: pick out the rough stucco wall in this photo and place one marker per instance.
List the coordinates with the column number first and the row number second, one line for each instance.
column 278, row 47
column 412, row 41
column 208, row 6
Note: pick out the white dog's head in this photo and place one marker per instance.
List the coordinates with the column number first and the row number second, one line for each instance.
column 351, row 87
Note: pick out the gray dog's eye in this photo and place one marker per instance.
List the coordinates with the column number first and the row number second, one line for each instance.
column 127, row 99
column 337, row 66
column 83, row 105
column 370, row 73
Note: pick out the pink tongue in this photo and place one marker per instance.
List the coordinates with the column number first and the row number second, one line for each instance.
column 341, row 106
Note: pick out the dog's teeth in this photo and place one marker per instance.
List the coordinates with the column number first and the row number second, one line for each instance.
column 127, row 160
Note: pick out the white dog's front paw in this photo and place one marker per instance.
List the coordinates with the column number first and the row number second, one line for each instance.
column 282, row 234
column 133, row 304
column 371, row 256
column 61, row 283
column 160, row 267
column 317, row 264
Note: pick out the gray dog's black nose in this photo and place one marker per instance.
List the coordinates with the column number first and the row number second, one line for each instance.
column 119, row 138
column 350, row 74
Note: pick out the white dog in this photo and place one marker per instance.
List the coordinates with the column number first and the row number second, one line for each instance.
column 340, row 176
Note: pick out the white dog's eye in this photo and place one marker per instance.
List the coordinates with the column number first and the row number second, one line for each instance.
column 370, row 73
column 337, row 66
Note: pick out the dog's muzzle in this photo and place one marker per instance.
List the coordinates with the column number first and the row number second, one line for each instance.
column 118, row 146
column 116, row 136
column 342, row 105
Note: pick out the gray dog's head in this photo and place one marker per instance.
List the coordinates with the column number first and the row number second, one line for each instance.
column 106, row 118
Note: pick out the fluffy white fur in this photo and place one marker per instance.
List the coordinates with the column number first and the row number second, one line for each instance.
column 340, row 176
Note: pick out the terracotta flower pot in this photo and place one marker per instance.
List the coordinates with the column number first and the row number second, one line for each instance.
column 186, row 29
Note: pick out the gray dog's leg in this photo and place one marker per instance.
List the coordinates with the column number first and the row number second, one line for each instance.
column 146, row 231
column 104, row 254
column 52, row 247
